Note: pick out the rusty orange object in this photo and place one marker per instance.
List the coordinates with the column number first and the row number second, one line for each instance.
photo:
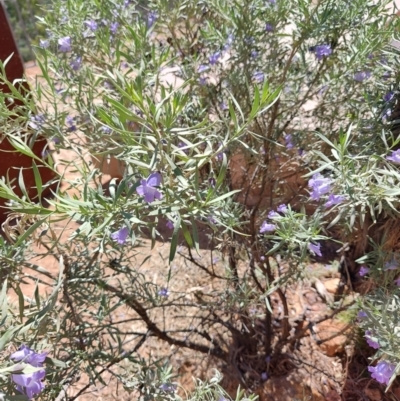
column 11, row 161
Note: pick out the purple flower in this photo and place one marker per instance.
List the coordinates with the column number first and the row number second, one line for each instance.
column 151, row 19
column 114, row 27
column 364, row 270
column 262, row 258
column 334, row 200
column 92, row 25
column 214, row 58
column 272, row 214
column 163, row 292
column 267, row 227
column 223, row 106
column 147, row 188
column 264, row 376
column 36, row 122
column 220, row 156
column 288, row 142
column 64, row 44
column 168, row 387
column 203, row 81
column 315, row 249
column 170, row 224
column 28, row 355
column 229, row 42
column 30, row 384
column 211, row 219
column 212, row 182
column 202, row 68
column 182, row 146
column 44, row 44
column 361, row 76
column 322, row 51
column 269, row 27
column 361, row 315
column 388, row 97
column 258, row 76
column 391, row 265
column 121, row 235
column 282, row 208
column 370, row 341
column 254, row 54
column 397, row 282
column 394, row 157
column 76, row 64
column 71, row 124
column 382, row 372
column 319, row 185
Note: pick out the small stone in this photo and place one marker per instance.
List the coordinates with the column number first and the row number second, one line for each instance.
column 332, row 285
column 335, row 345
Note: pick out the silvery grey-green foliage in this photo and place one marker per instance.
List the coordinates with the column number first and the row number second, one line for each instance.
column 178, row 92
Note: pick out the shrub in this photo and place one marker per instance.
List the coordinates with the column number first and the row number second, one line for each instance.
column 262, row 124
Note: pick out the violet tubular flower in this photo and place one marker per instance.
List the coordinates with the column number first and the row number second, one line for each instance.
column 322, row 51
column 214, row 58
column 30, row 384
column 370, row 341
column 148, row 189
column 334, row 200
column 388, row 97
column 71, row 124
column 202, row 68
column 170, row 225
column 361, row 76
column 92, row 25
column 163, row 292
column 28, row 355
column 121, row 235
column 288, row 142
column 267, row 227
column 394, row 157
column 382, row 372
column 272, row 214
column 76, row 64
column 64, row 44
column 364, row 270
column 114, row 27
column 282, row 208
column 258, row 76
column 269, row 27
column 212, row 181
column 168, row 387
column 319, row 185
column 361, row 315
column 315, row 249
column 151, row 19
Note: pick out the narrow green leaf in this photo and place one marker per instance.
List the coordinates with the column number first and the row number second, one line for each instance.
column 36, row 295
column 174, row 239
column 29, row 231
column 38, row 179
column 22, row 184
